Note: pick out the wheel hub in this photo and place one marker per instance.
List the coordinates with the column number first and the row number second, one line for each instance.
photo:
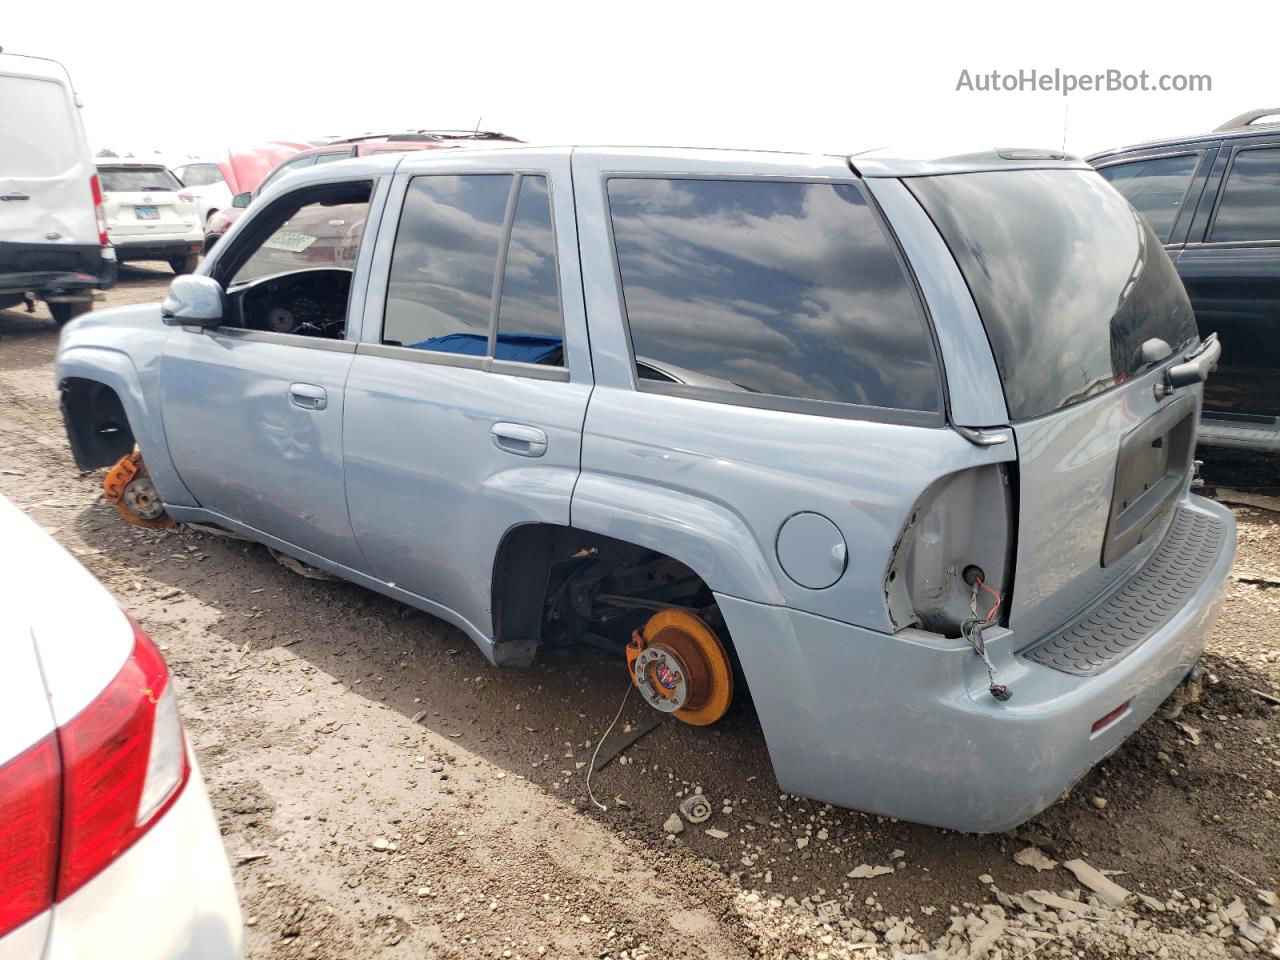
column 662, row 679
column 128, row 487
column 680, row 666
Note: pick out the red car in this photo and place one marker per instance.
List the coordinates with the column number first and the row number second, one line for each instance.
column 361, row 146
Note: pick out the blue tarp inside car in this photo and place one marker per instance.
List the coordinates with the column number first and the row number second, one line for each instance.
column 520, row 347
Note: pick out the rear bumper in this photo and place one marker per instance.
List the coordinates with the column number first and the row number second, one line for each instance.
column 903, row 725
column 1239, row 434
column 56, row 268
column 156, row 248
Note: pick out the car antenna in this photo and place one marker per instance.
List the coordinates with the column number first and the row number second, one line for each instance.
column 479, row 121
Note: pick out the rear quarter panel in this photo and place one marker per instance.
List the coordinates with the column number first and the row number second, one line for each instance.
column 712, row 483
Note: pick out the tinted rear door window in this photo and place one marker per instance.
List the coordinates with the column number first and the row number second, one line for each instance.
column 762, row 287
column 1156, row 188
column 1069, row 281
column 1250, row 204
column 442, row 268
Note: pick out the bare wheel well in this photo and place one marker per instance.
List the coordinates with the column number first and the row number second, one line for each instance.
column 97, row 426
column 556, row 584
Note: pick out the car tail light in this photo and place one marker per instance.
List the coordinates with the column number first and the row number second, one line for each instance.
column 99, row 210
column 187, row 197
column 78, row 799
column 30, row 791
column 124, row 761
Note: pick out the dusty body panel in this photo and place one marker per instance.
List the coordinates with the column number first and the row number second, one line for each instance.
column 431, row 524
column 810, row 528
column 903, row 726
column 123, row 348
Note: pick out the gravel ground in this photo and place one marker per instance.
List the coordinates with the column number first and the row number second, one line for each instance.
column 384, row 792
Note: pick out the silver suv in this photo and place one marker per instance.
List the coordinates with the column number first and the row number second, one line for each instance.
column 902, row 447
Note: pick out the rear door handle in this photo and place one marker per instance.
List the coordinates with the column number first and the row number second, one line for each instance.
column 308, row 396
column 520, row 439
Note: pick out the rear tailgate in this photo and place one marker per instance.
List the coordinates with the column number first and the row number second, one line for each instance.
column 145, row 200
column 1084, row 312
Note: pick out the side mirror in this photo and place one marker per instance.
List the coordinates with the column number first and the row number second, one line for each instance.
column 241, row 200
column 194, row 301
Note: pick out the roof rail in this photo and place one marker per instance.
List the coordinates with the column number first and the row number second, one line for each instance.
column 1249, row 118
column 420, row 135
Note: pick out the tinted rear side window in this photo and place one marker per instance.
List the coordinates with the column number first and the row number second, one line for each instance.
column 1250, row 205
column 442, row 267
column 761, row 287
column 1155, row 187
column 1069, row 281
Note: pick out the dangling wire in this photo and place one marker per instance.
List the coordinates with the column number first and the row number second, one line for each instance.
column 972, row 632
column 607, row 730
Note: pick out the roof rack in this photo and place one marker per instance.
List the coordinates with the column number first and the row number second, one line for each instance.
column 429, row 135
column 1249, row 118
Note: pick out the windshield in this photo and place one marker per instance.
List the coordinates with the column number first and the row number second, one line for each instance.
column 137, row 179
column 1069, row 279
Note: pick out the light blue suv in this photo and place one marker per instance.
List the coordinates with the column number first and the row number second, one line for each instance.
column 904, row 447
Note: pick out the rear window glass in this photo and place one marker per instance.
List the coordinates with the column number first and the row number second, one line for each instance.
column 1155, row 188
column 1250, row 205
column 137, row 179
column 769, row 287
column 37, row 129
column 1069, row 280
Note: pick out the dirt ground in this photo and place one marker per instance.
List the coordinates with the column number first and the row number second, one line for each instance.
column 384, row 792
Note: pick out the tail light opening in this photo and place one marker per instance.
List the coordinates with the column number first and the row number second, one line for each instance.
column 73, row 803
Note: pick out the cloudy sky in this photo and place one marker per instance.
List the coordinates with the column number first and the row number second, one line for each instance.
column 834, row 77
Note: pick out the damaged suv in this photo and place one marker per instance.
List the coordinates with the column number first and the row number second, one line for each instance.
column 904, row 447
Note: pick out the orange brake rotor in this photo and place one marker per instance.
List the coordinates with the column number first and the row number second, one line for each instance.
column 128, row 487
column 679, row 658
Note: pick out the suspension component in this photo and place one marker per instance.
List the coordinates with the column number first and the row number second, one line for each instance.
column 128, row 487
column 680, row 666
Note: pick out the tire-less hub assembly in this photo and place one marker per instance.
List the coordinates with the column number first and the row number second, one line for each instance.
column 680, row 667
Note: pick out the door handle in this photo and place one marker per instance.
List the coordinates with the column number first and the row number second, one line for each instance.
column 308, row 396
column 517, row 438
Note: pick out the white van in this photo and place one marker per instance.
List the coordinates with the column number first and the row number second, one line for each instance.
column 53, row 230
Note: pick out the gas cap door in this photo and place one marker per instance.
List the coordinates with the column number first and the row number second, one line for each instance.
column 812, row 550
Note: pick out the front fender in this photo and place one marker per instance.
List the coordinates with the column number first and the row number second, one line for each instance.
column 709, row 539
column 139, row 393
